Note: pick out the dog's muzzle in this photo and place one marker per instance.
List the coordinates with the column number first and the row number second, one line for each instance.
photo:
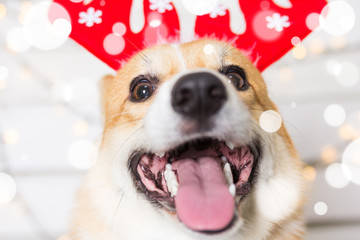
column 198, row 96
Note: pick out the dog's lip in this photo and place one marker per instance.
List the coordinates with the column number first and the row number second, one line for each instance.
column 168, row 201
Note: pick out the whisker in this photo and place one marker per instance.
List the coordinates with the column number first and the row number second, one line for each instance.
column 122, row 145
column 112, row 222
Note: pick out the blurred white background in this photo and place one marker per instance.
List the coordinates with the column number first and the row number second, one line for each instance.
column 50, row 123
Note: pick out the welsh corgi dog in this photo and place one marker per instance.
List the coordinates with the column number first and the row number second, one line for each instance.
column 183, row 155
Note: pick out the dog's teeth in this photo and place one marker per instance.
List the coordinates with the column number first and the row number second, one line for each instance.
column 160, row 154
column 232, row 189
column 230, row 145
column 228, row 173
column 224, row 159
column 171, row 181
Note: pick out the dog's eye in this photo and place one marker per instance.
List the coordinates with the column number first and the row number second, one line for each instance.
column 237, row 77
column 141, row 90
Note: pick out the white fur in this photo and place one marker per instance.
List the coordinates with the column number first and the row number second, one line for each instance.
column 167, row 126
column 129, row 215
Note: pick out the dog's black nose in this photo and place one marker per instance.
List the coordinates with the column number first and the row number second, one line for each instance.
column 198, row 95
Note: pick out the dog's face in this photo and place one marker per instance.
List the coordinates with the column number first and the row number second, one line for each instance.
column 183, row 143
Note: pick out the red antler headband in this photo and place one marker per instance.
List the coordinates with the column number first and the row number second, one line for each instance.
column 114, row 30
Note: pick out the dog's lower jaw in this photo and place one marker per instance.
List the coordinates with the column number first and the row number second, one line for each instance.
column 111, row 209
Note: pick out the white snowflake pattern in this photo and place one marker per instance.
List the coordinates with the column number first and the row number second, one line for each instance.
column 90, row 17
column 219, row 10
column 161, row 5
column 277, row 22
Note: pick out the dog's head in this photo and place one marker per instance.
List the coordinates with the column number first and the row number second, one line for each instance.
column 183, row 141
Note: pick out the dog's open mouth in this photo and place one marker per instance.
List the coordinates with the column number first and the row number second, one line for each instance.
column 202, row 180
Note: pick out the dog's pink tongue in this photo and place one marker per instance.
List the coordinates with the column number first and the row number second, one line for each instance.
column 203, row 201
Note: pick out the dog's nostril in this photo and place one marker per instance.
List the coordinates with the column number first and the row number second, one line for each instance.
column 216, row 92
column 198, row 95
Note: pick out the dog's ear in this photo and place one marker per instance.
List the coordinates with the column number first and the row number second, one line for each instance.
column 105, row 86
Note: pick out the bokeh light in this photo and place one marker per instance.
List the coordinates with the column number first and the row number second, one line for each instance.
column 63, row 237
column 338, row 42
column 309, row 173
column 7, row 188
column 313, row 21
column 24, row 9
column 348, row 75
column 336, row 175
column 333, row 66
column 299, row 52
column 285, row 74
column 4, row 72
column 329, row 154
column 199, row 7
column 352, row 126
column 334, row 115
column 16, row 40
column 82, row 154
column 80, row 128
column 351, row 159
column 40, row 32
column 10, row 136
column 2, row 84
column 209, row 49
column 295, row 41
column 337, row 18
column 2, row 11
column 259, row 26
column 62, row 92
column 347, row 132
column 61, row 27
column 320, row 208
column 317, row 46
column 59, row 110
column 270, row 121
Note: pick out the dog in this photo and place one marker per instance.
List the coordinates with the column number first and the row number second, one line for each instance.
column 183, row 155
